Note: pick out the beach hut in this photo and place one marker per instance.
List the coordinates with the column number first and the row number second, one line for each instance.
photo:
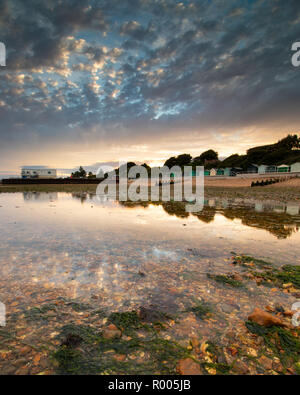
column 207, row 172
column 271, row 169
column 295, row 167
column 292, row 210
column 220, row 172
column 236, row 170
column 252, row 169
column 227, row 171
column 283, row 169
column 259, row 207
column 213, row 172
column 195, row 173
column 262, row 169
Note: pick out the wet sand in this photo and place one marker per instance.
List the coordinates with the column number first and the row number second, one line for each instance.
column 229, row 188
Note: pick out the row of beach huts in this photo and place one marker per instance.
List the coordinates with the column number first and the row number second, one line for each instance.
column 252, row 169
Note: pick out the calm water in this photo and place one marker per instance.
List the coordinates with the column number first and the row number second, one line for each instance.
column 73, row 246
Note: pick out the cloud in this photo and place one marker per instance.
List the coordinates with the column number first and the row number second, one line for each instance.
column 109, row 73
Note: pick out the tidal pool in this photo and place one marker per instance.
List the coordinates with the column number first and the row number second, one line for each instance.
column 69, row 258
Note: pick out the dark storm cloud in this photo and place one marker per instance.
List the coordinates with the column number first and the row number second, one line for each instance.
column 113, row 70
column 33, row 31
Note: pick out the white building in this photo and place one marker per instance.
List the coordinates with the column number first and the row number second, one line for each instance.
column 38, row 173
column 295, row 167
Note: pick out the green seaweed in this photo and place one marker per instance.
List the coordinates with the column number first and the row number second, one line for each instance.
column 89, row 334
column 221, row 368
column 290, row 274
column 38, row 313
column 96, row 353
column 283, row 343
column 244, row 259
column 287, row 274
column 70, row 361
column 228, row 280
column 78, row 307
column 126, row 321
column 201, row 309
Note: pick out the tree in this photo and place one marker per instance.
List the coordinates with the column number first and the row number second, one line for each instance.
column 81, row 173
column 205, row 157
column 291, row 141
column 147, row 167
column 209, row 155
column 170, row 162
column 184, row 159
column 180, row 160
column 129, row 166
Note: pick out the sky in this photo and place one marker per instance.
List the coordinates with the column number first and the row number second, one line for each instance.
column 89, row 82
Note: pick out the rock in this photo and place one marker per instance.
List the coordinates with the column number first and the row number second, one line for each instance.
column 287, row 285
column 252, row 352
column 233, row 351
column 269, row 308
column 24, row 370
column 263, row 318
column 267, row 363
column 288, row 313
column 227, row 308
column 25, row 350
column 240, row 367
column 36, row 359
column 72, row 340
column 203, row 347
column 277, row 367
column 150, row 314
column 111, row 332
column 195, row 342
column 279, row 309
column 188, row 367
column 237, row 277
column 120, row 357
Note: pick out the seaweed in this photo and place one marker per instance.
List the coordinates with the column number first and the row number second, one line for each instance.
column 201, row 309
column 78, row 307
column 290, row 274
column 287, row 274
column 87, row 333
column 245, row 260
column 283, row 343
column 218, row 359
column 70, row 361
column 221, row 368
column 152, row 315
column 39, row 313
column 96, row 354
column 126, row 321
column 226, row 279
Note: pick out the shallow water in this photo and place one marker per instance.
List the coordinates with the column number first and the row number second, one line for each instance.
column 119, row 257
